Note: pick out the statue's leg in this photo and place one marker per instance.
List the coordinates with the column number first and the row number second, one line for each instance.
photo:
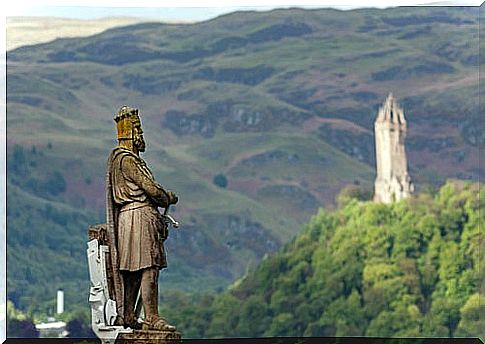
column 132, row 281
column 149, row 294
column 149, row 291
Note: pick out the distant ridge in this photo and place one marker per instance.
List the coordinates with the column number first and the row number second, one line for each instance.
column 23, row 31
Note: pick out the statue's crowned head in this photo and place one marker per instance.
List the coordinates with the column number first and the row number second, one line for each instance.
column 129, row 129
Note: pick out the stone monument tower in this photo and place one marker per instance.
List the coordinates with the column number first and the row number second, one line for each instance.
column 393, row 182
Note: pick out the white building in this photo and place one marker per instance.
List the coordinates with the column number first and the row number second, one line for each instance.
column 52, row 329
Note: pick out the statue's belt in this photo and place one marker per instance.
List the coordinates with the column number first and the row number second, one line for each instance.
column 135, row 205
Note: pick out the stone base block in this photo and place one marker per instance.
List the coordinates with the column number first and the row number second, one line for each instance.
column 149, row 337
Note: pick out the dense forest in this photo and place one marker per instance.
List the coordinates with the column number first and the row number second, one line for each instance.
column 405, row 269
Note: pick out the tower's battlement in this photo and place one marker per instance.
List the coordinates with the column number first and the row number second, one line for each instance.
column 393, row 182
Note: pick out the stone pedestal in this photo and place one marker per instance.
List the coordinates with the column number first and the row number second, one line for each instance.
column 149, row 337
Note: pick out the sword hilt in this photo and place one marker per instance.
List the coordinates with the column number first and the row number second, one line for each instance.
column 169, row 219
column 172, row 221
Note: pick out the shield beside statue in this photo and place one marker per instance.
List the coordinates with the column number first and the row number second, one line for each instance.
column 104, row 311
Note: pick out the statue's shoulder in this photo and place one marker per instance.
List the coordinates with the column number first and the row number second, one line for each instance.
column 120, row 153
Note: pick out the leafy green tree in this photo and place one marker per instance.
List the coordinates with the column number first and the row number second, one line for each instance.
column 55, row 183
column 78, row 323
column 403, row 319
column 18, row 160
column 346, row 316
column 352, row 191
column 220, row 180
column 281, row 325
column 253, row 308
column 472, row 320
column 225, row 316
column 21, row 329
column 14, row 313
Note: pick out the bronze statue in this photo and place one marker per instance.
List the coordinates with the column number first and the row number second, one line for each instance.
column 136, row 230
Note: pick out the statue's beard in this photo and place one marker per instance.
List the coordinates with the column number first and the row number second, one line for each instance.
column 139, row 143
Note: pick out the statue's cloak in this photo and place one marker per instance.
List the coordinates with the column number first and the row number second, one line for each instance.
column 112, row 212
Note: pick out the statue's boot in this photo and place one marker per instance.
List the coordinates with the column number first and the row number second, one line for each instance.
column 149, row 294
column 158, row 324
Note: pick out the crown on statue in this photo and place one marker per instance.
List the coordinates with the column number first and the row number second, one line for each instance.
column 125, row 118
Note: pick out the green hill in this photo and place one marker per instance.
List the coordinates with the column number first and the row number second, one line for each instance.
column 409, row 269
column 280, row 103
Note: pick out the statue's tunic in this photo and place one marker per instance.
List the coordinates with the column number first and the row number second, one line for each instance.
column 139, row 227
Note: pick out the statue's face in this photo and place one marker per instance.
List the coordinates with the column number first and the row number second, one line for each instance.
column 138, row 140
